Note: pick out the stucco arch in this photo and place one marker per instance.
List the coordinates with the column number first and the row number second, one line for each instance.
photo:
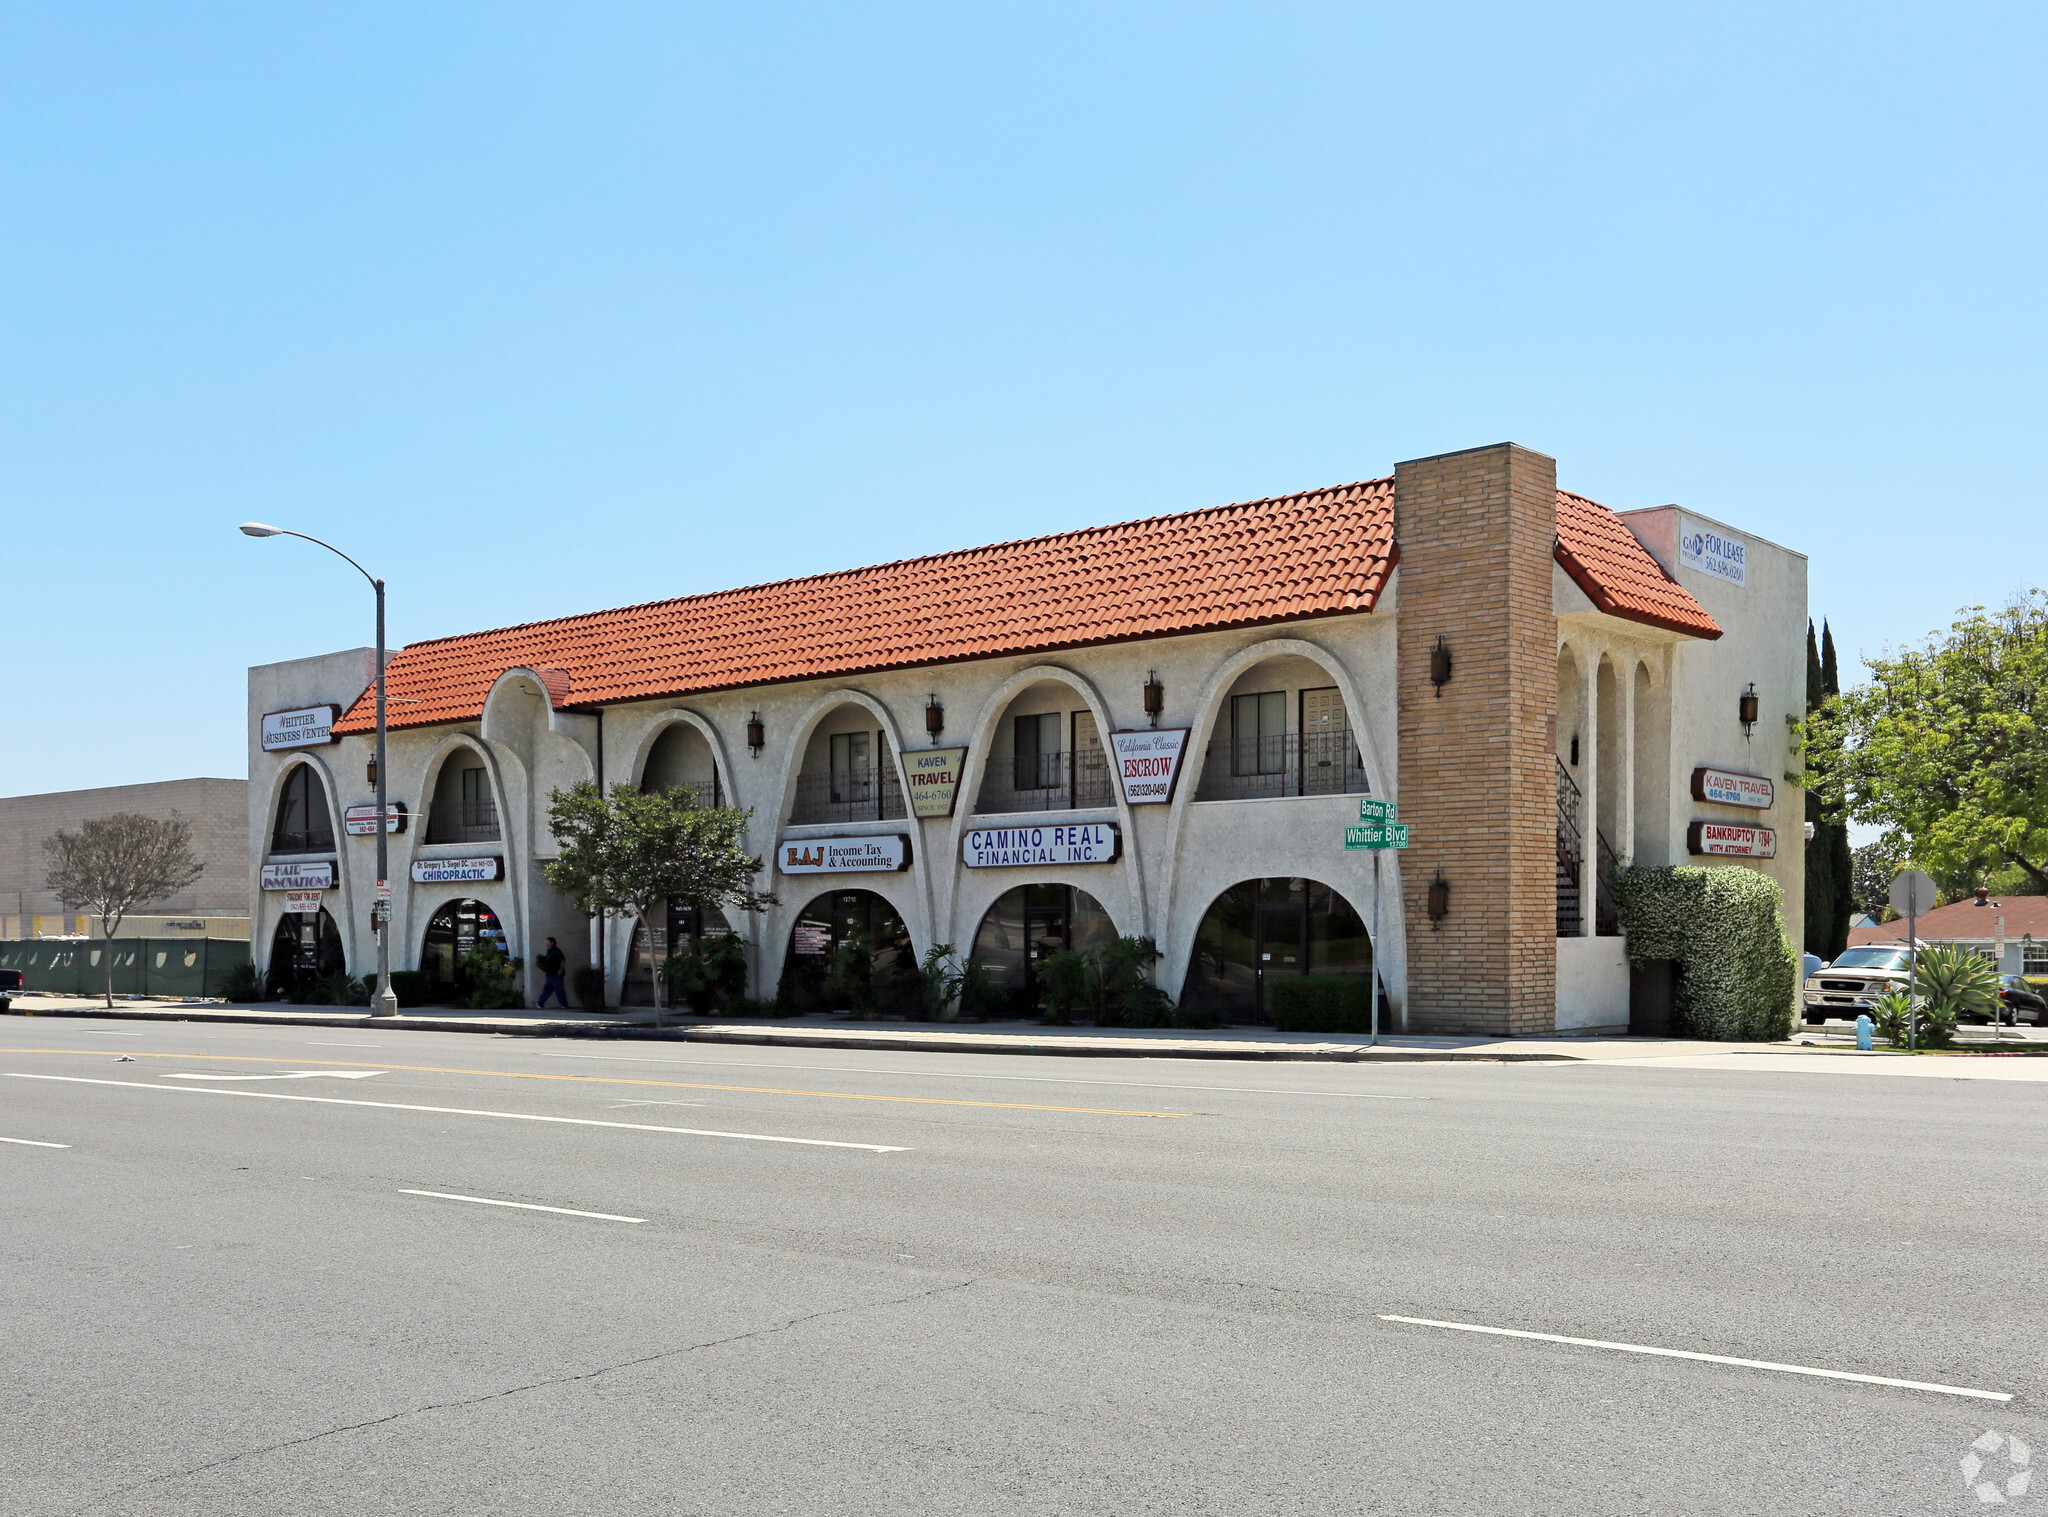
column 500, row 895
column 980, row 741
column 705, row 728
column 1381, row 780
column 270, row 903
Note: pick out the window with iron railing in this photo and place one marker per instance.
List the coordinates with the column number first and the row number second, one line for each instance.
column 859, row 783
column 464, row 809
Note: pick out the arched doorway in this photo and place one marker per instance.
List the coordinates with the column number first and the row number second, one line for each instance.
column 305, row 947
column 1031, row 921
column 685, row 924
column 305, row 823
column 829, row 921
column 1261, row 930
column 455, row 930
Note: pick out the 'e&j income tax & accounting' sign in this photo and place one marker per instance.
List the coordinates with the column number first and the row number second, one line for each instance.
column 855, row 855
column 308, row 727
column 1712, row 551
column 1004, row 847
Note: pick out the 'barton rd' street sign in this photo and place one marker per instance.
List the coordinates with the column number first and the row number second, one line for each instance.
column 1370, row 810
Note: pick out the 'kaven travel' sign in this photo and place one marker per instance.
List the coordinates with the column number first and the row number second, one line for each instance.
column 1731, row 787
column 934, row 778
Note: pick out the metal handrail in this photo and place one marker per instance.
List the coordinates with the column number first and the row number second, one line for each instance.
column 1294, row 763
column 860, row 795
column 1046, row 782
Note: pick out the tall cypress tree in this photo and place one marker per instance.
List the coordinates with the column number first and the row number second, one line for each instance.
column 1820, row 875
column 1841, row 861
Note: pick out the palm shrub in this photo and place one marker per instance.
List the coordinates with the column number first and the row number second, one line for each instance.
column 941, row 972
column 1956, row 980
column 1069, row 980
column 1892, row 1013
column 244, row 983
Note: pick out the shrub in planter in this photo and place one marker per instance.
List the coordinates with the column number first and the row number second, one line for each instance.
column 493, row 979
column 244, row 983
column 586, row 984
column 1958, row 981
column 1321, row 1002
column 412, row 987
column 707, row 972
column 1725, row 929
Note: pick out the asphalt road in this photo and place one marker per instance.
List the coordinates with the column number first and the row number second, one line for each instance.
column 992, row 1285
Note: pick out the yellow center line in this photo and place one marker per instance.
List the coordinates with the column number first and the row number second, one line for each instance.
column 509, row 1074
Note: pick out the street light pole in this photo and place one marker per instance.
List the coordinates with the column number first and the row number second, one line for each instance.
column 385, row 1002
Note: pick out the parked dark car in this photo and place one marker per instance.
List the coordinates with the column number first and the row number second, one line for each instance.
column 11, row 983
column 2020, row 1002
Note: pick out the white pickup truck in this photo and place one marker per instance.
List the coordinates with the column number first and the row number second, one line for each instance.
column 1852, row 985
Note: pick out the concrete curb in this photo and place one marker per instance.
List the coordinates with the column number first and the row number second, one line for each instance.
column 997, row 1043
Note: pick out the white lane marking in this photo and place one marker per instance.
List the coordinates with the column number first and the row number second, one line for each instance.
column 34, row 1143
column 1679, row 1353
column 102, row 1032
column 461, row 1111
column 616, row 1105
column 941, row 1074
column 560, row 1211
column 302, row 1074
column 316, row 1043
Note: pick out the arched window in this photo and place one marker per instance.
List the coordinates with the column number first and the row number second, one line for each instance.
column 827, row 924
column 464, row 810
column 1031, row 921
column 1047, row 755
column 456, row 929
column 1261, row 930
column 848, row 773
column 1283, row 730
column 304, row 948
column 681, row 760
column 304, row 822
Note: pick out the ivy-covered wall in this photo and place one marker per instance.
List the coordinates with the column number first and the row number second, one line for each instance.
column 1738, row 976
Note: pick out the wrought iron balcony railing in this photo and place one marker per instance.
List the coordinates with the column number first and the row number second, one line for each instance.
column 860, row 795
column 1046, row 782
column 1297, row 763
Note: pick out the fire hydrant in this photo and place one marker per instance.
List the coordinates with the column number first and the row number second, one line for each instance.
column 1864, row 1028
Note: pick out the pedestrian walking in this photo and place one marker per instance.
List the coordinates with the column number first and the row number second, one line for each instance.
column 552, row 963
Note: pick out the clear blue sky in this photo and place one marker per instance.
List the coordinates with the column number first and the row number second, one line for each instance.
column 543, row 309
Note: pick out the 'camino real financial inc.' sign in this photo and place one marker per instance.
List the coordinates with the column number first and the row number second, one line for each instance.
column 1002, row 847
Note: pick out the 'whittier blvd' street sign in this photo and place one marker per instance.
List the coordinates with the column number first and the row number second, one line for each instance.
column 1377, row 835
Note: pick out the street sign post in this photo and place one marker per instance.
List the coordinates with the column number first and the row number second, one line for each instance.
column 1912, row 889
column 1377, row 832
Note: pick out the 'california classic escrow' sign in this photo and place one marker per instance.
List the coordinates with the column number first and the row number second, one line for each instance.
column 1731, row 840
column 855, row 855
column 1000, row 847
column 1148, row 763
column 1730, row 787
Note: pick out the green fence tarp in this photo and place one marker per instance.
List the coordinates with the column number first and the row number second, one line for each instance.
column 142, row 966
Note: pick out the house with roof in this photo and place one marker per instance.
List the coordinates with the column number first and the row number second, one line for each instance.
column 1160, row 728
column 2012, row 933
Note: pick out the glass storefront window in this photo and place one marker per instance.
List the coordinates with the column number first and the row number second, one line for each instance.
column 830, row 920
column 1031, row 921
column 1259, row 929
column 304, row 822
column 455, row 930
column 303, row 949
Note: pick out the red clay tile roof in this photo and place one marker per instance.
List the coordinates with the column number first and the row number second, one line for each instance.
column 1617, row 573
column 1257, row 563
column 1966, row 919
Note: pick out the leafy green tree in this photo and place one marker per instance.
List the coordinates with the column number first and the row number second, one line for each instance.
column 640, row 851
column 1946, row 748
column 114, row 864
column 1872, row 869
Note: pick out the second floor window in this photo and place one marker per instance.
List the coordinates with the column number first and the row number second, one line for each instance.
column 1037, row 751
column 852, row 765
column 304, row 824
column 1258, row 733
column 479, row 811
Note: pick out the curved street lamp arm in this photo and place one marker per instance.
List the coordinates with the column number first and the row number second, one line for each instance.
column 366, row 574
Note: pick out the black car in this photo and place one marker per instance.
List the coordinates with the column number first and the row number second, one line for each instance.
column 10, row 987
column 2020, row 1002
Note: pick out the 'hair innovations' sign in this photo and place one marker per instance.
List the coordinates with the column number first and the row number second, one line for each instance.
column 1731, row 787
column 1731, row 841
column 1148, row 763
column 855, row 855
column 1006, row 847
column 1712, row 551
column 934, row 777
column 457, row 871
column 308, row 727
column 299, row 876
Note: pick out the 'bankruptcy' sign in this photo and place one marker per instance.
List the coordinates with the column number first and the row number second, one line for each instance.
column 1730, row 841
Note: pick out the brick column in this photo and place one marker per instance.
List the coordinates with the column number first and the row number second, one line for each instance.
column 1475, row 531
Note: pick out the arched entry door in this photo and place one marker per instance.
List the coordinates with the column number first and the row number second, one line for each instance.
column 1260, row 930
column 1026, row 924
column 455, row 930
column 305, row 947
column 685, row 924
column 837, row 917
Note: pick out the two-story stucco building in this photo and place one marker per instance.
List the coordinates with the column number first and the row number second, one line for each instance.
column 1162, row 727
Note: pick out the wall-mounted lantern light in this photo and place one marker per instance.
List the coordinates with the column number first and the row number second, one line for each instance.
column 757, row 735
column 934, row 717
column 1440, row 665
column 1745, row 709
column 1155, row 696
column 1575, row 750
column 372, row 773
column 1439, row 901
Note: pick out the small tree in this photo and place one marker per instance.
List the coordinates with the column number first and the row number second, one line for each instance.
column 114, row 864
column 639, row 851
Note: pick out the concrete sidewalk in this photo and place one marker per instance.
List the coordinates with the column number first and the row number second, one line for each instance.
column 824, row 1031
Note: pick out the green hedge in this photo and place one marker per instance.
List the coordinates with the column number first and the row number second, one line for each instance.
column 413, row 987
column 1320, row 1002
column 1737, row 971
